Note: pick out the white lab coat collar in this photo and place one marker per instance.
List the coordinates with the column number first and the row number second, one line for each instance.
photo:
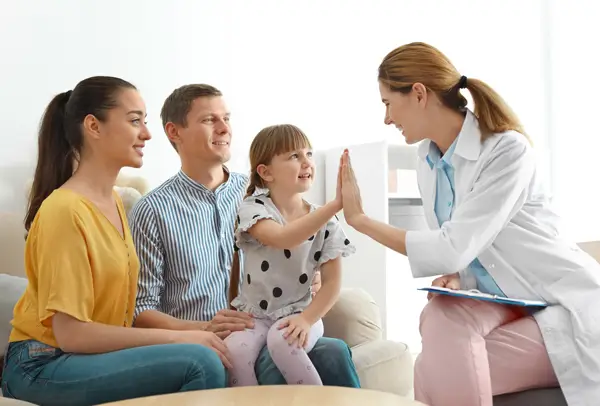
column 468, row 145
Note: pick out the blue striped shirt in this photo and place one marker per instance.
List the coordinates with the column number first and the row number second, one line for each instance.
column 183, row 233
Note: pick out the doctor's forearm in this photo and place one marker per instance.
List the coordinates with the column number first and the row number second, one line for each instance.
column 390, row 236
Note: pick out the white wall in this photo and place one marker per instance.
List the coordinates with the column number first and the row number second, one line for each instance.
column 575, row 137
column 311, row 63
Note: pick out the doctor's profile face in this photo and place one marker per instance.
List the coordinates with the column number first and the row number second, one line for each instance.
column 407, row 110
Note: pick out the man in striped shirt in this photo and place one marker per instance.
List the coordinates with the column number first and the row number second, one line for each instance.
column 183, row 232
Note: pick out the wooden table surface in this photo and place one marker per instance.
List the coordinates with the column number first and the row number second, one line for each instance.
column 292, row 395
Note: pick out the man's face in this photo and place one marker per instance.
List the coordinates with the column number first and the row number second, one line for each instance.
column 207, row 135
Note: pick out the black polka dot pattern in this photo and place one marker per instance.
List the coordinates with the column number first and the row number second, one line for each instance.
column 264, row 266
column 277, row 292
column 303, row 278
column 326, row 234
column 249, row 279
column 287, row 253
column 259, row 201
column 264, row 304
column 255, row 216
column 346, row 241
column 317, row 255
column 311, row 238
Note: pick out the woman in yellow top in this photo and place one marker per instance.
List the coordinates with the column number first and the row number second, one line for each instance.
column 72, row 341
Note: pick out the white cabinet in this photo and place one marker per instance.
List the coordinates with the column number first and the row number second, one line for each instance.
column 386, row 176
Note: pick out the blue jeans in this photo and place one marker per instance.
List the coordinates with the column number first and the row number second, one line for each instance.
column 331, row 357
column 45, row 375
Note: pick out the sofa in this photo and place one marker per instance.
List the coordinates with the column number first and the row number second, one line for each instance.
column 381, row 364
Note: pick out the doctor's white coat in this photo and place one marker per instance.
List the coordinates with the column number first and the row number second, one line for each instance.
column 502, row 217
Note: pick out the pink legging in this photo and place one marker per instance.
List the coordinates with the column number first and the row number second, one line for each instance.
column 473, row 350
column 293, row 362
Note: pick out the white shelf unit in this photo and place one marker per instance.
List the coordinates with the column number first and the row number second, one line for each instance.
column 382, row 272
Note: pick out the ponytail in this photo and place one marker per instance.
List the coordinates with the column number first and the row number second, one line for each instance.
column 234, row 278
column 55, row 156
column 418, row 62
column 60, row 136
column 492, row 112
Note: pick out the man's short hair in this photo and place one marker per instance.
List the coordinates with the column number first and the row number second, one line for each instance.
column 179, row 103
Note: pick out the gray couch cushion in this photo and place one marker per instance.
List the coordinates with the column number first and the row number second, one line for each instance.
column 545, row 397
column 11, row 289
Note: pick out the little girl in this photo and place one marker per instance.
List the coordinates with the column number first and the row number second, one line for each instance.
column 284, row 240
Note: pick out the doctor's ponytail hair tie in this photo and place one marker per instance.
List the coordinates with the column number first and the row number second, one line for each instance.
column 452, row 97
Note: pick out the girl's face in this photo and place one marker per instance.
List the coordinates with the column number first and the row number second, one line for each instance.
column 292, row 171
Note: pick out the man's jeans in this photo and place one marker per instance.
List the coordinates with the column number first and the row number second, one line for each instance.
column 331, row 357
column 45, row 375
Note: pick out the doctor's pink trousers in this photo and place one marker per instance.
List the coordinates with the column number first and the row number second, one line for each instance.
column 473, row 350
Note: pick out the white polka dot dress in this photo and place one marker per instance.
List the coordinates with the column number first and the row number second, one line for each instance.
column 276, row 282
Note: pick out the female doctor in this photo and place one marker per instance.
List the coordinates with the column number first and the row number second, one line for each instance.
column 491, row 229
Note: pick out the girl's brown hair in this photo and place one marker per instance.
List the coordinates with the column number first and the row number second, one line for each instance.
column 418, row 62
column 269, row 142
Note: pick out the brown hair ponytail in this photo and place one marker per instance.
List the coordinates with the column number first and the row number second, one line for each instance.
column 60, row 136
column 492, row 112
column 418, row 62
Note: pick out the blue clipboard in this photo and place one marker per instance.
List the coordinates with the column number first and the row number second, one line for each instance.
column 475, row 294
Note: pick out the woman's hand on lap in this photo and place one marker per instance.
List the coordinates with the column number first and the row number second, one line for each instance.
column 451, row 281
column 206, row 339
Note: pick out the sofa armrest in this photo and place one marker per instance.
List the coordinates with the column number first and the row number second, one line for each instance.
column 384, row 365
column 11, row 289
column 12, row 244
column 14, row 402
column 592, row 248
column 355, row 318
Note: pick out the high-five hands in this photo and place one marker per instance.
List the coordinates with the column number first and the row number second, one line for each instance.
column 351, row 200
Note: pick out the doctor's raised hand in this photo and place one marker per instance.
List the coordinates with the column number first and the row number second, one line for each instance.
column 351, row 200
